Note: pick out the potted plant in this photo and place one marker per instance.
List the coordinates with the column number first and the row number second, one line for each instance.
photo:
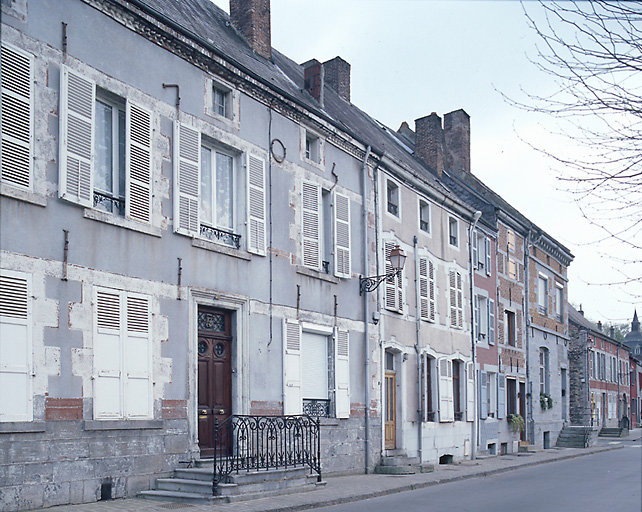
column 516, row 422
column 545, row 401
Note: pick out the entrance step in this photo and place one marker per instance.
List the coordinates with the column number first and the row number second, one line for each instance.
column 402, row 465
column 613, row 432
column 576, row 436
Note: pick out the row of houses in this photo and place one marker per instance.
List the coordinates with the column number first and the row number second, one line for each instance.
column 196, row 228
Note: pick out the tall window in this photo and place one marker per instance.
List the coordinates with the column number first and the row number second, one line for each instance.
column 510, row 240
column 457, row 390
column 509, row 327
column 428, row 371
column 424, row 216
column 512, row 268
column 481, row 317
column 314, row 374
column 492, row 394
column 453, row 232
column 559, row 302
column 217, row 189
column 511, row 396
column 312, row 147
column 544, row 386
column 392, row 193
column 542, row 295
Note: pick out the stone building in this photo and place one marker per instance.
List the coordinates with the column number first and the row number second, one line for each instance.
column 633, row 338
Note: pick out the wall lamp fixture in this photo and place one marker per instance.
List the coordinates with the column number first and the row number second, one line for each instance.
column 397, row 260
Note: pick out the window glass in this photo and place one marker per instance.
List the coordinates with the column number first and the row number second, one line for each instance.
column 103, row 177
column 217, row 189
column 224, row 190
column 453, row 237
column 220, row 101
column 109, row 149
column 206, row 185
column 424, row 216
column 393, row 198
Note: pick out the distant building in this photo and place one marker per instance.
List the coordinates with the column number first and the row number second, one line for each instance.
column 633, row 339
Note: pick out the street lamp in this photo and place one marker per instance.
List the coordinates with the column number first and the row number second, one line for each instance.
column 397, row 260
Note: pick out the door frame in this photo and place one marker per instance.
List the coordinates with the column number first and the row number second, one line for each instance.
column 239, row 309
column 398, row 352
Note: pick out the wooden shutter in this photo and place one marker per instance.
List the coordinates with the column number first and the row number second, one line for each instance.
column 342, row 373
column 138, row 183
column 394, row 286
column 17, row 117
column 474, row 243
column 470, row 392
column 491, row 321
column 476, row 329
column 424, row 300
column 501, row 396
column 341, row 235
column 187, row 183
column 452, row 286
column 431, row 291
column 137, row 358
column 76, row 155
column 483, row 395
column 16, row 380
column 311, row 222
column 255, row 205
column 107, row 355
column 446, row 411
column 488, row 256
column 292, row 399
column 460, row 302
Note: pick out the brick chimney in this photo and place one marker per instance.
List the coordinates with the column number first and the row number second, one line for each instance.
column 252, row 19
column 457, row 137
column 337, row 76
column 599, row 325
column 429, row 141
column 313, row 78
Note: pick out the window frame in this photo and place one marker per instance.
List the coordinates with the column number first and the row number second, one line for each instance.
column 424, row 206
column 544, row 371
column 510, row 328
column 307, row 135
column 215, row 150
column 453, row 221
column 559, row 302
column 231, row 98
column 394, row 187
column 542, row 294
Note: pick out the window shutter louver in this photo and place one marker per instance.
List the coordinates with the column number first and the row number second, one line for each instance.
column 501, row 396
column 342, row 373
column 138, row 195
column 460, row 302
column 424, row 301
column 17, row 117
column 488, row 256
column 477, row 313
column 446, row 411
column 76, row 155
column 107, row 355
column 452, row 282
column 474, row 244
column 483, row 395
column 292, row 399
column 431, row 290
column 342, row 235
column 394, row 286
column 16, row 380
column 187, row 183
column 491, row 321
column 256, row 205
column 311, row 213
column 137, row 359
column 470, row 392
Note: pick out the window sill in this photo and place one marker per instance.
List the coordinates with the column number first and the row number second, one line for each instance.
column 108, row 218
column 123, row 424
column 19, row 427
column 304, row 271
column 221, row 249
column 22, row 195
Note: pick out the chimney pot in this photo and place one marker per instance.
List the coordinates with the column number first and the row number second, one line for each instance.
column 457, row 141
column 599, row 325
column 337, row 76
column 429, row 142
column 252, row 19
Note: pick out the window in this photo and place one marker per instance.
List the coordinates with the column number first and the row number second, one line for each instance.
column 424, row 216
column 453, row 231
column 310, row 374
column 122, row 355
column 393, row 298
column 481, row 252
column 542, row 295
column 544, row 384
column 512, row 268
column 511, row 396
column 492, row 394
column 221, row 99
column 17, row 104
column 481, row 317
column 456, row 299
column 593, row 374
column 559, row 302
column 428, row 376
column 510, row 240
column 16, row 359
column 312, row 147
column 105, row 156
column 217, row 189
column 509, row 328
column 427, row 299
column 446, row 412
column 392, row 195
column 456, row 383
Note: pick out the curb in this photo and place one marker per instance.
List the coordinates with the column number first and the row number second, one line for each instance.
column 423, row 485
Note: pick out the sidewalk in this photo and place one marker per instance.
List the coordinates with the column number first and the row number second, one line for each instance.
column 346, row 489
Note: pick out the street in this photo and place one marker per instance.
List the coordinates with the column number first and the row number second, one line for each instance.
column 605, row 481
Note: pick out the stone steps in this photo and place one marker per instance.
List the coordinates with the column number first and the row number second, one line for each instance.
column 399, row 464
column 613, row 432
column 576, row 436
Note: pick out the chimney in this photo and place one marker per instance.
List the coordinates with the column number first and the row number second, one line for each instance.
column 429, row 141
column 252, row 19
column 599, row 326
column 457, row 137
column 612, row 332
column 337, row 76
column 313, row 77
column 581, row 311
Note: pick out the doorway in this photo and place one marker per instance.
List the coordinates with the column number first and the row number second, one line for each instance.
column 522, row 408
column 214, row 375
column 390, row 421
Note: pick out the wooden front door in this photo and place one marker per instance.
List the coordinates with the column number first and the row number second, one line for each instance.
column 522, row 408
column 391, row 409
column 214, row 375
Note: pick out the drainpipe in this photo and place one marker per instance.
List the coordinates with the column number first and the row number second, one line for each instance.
column 366, row 298
column 418, row 354
column 473, row 348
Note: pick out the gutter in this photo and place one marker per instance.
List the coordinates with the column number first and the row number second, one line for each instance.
column 473, row 347
column 418, row 354
column 366, row 298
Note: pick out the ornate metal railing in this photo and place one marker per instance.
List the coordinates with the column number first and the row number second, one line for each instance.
column 220, row 235
column 316, row 408
column 253, row 443
column 109, row 201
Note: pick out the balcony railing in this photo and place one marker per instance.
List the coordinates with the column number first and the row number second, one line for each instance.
column 459, row 415
column 109, row 203
column 254, row 443
column 317, row 408
column 220, row 235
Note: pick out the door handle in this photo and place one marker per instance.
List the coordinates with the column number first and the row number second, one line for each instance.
column 203, row 411
column 221, row 411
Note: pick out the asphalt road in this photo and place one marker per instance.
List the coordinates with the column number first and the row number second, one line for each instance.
column 605, row 482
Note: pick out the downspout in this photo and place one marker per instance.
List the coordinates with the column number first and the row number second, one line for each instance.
column 366, row 298
column 418, row 354
column 375, row 179
column 473, row 348
column 529, row 421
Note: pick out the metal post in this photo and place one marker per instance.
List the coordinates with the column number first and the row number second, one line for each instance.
column 214, row 474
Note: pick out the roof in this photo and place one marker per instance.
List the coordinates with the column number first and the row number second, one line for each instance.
column 577, row 318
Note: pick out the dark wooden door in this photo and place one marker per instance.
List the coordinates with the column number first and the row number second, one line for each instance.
column 214, row 375
column 522, row 408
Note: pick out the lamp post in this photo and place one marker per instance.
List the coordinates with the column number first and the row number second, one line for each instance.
column 397, row 260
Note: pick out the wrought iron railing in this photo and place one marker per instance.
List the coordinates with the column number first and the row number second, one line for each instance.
column 459, row 415
column 109, row 202
column 253, row 443
column 316, row 408
column 220, row 235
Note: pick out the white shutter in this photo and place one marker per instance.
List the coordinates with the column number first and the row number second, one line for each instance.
column 341, row 235
column 314, row 366
column 501, row 396
column 424, row 301
column 137, row 358
column 460, row 302
column 491, row 321
column 477, row 318
column 255, row 205
column 488, row 256
column 394, row 286
column 311, row 223
column 76, row 155
column 474, row 243
column 16, row 395
column 17, row 117
column 138, row 183
column 452, row 285
column 446, row 411
column 187, row 183
column 470, row 392
column 431, row 290
column 292, row 399
column 108, row 319
column 483, row 395
column 342, row 373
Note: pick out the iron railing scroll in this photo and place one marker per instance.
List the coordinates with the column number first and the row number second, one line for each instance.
column 254, row 443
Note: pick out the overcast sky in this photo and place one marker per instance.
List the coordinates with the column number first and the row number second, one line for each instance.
column 413, row 57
